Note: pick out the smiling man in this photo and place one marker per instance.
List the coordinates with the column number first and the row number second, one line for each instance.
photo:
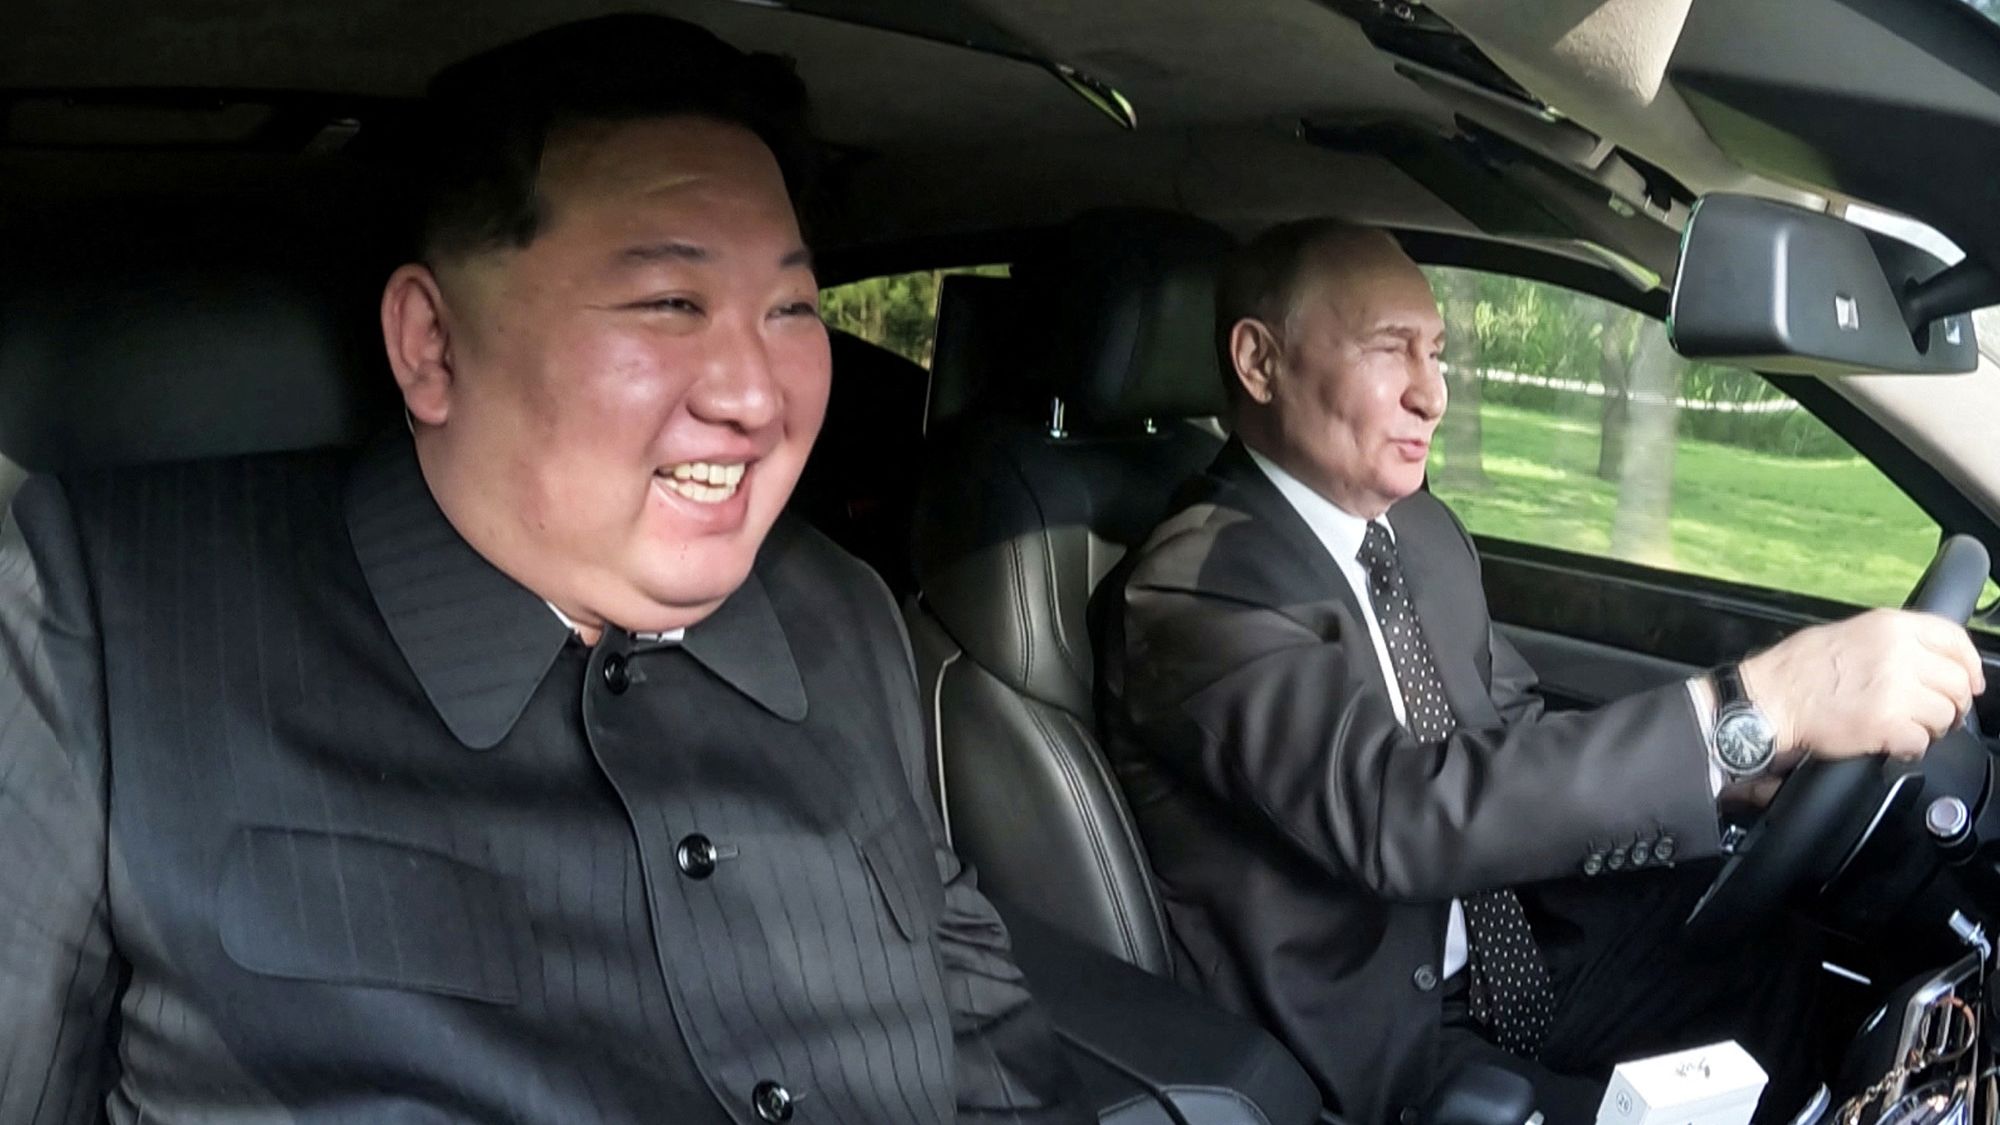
column 528, row 766
column 1343, row 772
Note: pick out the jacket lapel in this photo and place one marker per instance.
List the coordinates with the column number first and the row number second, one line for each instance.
column 1453, row 622
column 1313, row 576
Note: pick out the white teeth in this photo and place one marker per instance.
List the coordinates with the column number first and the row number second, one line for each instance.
column 704, row 482
column 708, row 472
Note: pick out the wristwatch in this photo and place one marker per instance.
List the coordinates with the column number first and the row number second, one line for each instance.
column 1743, row 741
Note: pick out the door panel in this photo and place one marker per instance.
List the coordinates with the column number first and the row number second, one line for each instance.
column 1596, row 629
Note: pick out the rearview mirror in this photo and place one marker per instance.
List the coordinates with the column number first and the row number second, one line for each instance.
column 1778, row 288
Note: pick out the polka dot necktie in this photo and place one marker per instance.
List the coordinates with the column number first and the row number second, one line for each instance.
column 1508, row 988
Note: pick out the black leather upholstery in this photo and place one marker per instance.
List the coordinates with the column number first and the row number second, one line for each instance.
column 858, row 486
column 162, row 329
column 1015, row 528
column 1142, row 1044
column 977, row 349
column 1125, row 314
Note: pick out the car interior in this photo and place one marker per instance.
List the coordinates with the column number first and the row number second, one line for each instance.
column 197, row 211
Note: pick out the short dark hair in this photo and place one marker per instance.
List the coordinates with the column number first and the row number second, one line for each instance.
column 487, row 120
column 1260, row 280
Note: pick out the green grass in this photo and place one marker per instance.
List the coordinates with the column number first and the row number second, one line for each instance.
column 1831, row 527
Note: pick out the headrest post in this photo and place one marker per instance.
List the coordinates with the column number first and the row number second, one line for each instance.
column 1056, row 429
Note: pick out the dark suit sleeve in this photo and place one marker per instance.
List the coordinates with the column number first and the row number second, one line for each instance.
column 1517, row 691
column 1271, row 711
column 1010, row 1065
column 59, row 973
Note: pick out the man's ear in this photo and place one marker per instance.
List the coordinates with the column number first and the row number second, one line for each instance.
column 417, row 334
column 1255, row 353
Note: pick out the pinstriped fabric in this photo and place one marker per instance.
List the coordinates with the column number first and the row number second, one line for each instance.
column 313, row 897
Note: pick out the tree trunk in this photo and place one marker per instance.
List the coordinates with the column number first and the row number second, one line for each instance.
column 1641, row 525
column 1614, row 371
column 1459, row 433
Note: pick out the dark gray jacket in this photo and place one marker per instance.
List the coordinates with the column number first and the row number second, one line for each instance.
column 1307, row 845
column 309, row 813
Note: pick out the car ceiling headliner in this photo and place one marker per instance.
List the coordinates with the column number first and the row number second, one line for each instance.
column 951, row 139
column 943, row 139
column 1178, row 61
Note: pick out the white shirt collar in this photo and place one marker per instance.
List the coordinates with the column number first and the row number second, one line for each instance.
column 671, row 636
column 1338, row 529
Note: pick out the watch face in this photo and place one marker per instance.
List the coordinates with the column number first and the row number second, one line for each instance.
column 1743, row 740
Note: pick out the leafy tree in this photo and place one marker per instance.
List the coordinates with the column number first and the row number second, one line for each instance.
column 1461, row 432
column 898, row 311
column 1640, row 524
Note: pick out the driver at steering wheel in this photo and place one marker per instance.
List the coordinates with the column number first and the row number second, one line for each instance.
column 1367, row 831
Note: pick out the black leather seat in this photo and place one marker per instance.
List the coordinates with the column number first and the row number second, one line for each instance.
column 1022, row 514
column 163, row 328
column 858, row 486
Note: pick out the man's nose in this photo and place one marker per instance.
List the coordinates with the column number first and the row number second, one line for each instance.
column 1427, row 392
column 738, row 386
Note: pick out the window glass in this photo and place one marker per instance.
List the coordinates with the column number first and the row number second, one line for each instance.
column 1574, row 425
column 897, row 311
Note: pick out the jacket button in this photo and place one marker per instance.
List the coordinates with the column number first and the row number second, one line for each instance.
column 1614, row 860
column 1663, row 849
column 616, row 676
column 696, row 855
column 1425, row 978
column 1641, row 854
column 1593, row 863
column 772, row 1102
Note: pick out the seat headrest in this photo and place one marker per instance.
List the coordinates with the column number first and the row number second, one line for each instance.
column 976, row 353
column 1125, row 301
column 165, row 329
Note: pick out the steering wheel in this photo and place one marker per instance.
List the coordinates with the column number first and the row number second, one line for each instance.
column 1823, row 812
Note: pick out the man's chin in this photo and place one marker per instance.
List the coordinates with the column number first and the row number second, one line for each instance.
column 675, row 602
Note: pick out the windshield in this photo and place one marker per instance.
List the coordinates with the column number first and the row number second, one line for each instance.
column 1988, row 8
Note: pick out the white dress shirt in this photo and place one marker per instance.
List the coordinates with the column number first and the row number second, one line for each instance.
column 670, row 637
column 1340, row 533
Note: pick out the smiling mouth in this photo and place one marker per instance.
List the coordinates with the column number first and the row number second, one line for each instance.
column 704, row 482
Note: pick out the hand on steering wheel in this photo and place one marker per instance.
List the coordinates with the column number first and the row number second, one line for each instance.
column 1821, row 813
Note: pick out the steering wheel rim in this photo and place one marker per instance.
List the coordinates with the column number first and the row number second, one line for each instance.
column 1816, row 820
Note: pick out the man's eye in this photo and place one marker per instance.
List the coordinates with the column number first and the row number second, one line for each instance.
column 798, row 308
column 671, row 304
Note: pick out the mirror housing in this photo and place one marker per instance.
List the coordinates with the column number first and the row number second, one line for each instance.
column 1777, row 288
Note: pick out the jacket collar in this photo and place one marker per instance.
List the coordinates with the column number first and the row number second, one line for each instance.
column 1432, row 593
column 480, row 643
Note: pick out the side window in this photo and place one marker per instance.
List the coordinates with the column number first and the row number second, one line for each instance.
column 1574, row 425
column 897, row 311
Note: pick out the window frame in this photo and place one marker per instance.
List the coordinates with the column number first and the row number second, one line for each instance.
column 1922, row 483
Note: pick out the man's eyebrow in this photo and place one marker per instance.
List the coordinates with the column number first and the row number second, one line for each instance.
column 649, row 253
column 662, row 252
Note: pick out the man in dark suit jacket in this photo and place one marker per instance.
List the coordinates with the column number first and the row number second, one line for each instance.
column 1341, row 769
column 528, row 767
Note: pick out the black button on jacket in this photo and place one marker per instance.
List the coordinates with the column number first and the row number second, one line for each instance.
column 309, row 813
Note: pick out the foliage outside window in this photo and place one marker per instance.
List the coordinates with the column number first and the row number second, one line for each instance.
column 1574, row 425
column 898, row 312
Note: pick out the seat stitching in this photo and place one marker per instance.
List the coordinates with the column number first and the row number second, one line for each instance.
column 1092, row 834
column 937, row 725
